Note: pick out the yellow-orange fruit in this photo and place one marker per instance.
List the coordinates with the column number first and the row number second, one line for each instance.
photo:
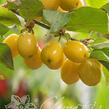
column 76, row 51
column 48, row 4
column 70, row 5
column 11, row 41
column 90, row 72
column 27, row 45
column 69, row 72
column 34, row 62
column 52, row 55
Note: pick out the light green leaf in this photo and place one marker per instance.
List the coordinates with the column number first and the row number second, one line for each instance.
column 106, row 7
column 88, row 19
column 96, row 3
column 101, row 45
column 106, row 75
column 2, row 1
column 99, row 55
column 30, row 9
column 104, row 59
column 3, row 29
column 8, row 17
column 6, row 56
column 56, row 19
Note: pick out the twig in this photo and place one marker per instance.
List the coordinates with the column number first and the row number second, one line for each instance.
column 41, row 24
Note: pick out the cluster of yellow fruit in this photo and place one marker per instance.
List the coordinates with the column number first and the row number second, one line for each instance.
column 62, row 5
column 26, row 46
column 72, row 58
column 79, row 66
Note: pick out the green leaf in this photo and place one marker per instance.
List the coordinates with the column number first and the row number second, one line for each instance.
column 6, row 56
column 101, row 56
column 96, row 3
column 106, row 51
column 98, row 38
column 106, row 7
column 106, row 74
column 88, row 19
column 13, row 5
column 101, row 45
column 56, row 19
column 104, row 59
column 8, row 17
column 2, row 1
column 3, row 29
column 30, row 9
column 105, row 63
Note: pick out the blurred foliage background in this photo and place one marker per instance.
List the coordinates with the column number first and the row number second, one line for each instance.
column 46, row 87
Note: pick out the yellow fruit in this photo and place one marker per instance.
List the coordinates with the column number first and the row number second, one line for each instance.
column 69, row 72
column 27, row 45
column 70, row 5
column 90, row 72
column 76, row 51
column 61, row 10
column 34, row 62
column 11, row 41
column 52, row 55
column 51, row 4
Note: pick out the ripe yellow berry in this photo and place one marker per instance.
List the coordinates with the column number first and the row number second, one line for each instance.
column 34, row 62
column 48, row 4
column 11, row 41
column 27, row 45
column 52, row 55
column 61, row 10
column 69, row 72
column 90, row 72
column 70, row 5
column 76, row 51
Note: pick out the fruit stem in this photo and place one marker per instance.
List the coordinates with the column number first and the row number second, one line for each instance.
column 41, row 24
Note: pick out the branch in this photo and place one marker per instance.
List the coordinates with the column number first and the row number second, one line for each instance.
column 41, row 24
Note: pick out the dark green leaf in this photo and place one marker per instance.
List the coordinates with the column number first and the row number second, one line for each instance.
column 30, row 9
column 106, row 7
column 8, row 17
column 56, row 19
column 106, row 51
column 87, row 19
column 3, row 29
column 96, row 3
column 6, row 56
column 105, row 63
